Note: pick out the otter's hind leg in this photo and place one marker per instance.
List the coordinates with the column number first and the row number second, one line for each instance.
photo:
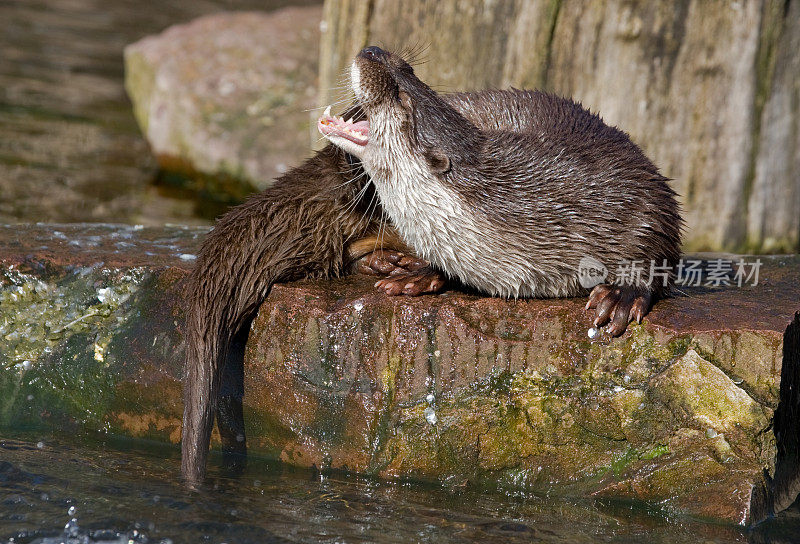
column 413, row 282
column 230, row 413
column 387, row 255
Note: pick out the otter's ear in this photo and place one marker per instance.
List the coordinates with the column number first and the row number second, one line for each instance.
column 438, row 162
column 405, row 100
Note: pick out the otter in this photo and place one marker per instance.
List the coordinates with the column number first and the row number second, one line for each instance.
column 326, row 218
column 513, row 209
column 319, row 220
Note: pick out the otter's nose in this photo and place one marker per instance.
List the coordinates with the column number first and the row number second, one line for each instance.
column 373, row 53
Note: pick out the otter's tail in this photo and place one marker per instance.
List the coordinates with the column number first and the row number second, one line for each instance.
column 297, row 229
column 216, row 329
column 199, row 398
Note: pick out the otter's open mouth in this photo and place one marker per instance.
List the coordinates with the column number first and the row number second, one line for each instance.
column 329, row 125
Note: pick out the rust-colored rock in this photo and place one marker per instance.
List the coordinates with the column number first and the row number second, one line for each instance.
column 695, row 409
column 517, row 394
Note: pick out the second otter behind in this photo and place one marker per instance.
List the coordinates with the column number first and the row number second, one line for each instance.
column 513, row 212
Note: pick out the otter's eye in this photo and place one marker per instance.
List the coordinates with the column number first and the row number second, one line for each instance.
column 373, row 53
column 404, row 99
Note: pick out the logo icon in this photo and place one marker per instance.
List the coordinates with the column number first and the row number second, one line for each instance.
column 591, row 272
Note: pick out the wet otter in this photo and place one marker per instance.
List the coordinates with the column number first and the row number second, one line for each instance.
column 322, row 219
column 319, row 220
column 512, row 209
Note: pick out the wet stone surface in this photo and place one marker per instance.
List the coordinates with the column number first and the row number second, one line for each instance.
column 90, row 322
column 227, row 95
column 454, row 388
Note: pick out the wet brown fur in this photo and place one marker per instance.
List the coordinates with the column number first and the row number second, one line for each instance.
column 546, row 178
column 313, row 223
column 299, row 228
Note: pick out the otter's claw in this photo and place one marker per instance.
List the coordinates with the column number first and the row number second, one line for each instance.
column 423, row 280
column 383, row 262
column 406, row 275
column 618, row 305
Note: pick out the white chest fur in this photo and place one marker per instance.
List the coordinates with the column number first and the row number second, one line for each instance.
column 441, row 227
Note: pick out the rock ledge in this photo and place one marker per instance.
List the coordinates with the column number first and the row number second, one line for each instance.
column 696, row 409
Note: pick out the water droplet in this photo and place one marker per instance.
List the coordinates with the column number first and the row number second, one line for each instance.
column 71, row 529
column 40, row 445
column 430, row 398
column 358, row 305
column 593, row 332
column 437, row 353
column 29, row 397
column 104, row 294
column 187, row 257
column 98, row 353
column 430, row 415
column 72, row 511
column 711, row 433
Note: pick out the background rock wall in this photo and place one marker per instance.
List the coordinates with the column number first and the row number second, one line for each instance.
column 710, row 90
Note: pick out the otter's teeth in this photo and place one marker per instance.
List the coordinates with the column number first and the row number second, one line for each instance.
column 350, row 121
column 327, row 111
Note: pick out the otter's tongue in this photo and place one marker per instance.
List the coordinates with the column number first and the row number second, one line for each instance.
column 329, row 125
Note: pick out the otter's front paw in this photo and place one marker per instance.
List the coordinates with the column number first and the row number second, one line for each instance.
column 383, row 262
column 423, row 280
column 619, row 305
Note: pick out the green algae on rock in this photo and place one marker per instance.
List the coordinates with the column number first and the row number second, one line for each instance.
column 520, row 398
column 85, row 310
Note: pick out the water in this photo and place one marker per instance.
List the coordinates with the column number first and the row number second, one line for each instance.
column 126, row 491
column 70, row 149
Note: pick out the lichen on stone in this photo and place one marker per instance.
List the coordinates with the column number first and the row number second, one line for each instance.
column 55, row 331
